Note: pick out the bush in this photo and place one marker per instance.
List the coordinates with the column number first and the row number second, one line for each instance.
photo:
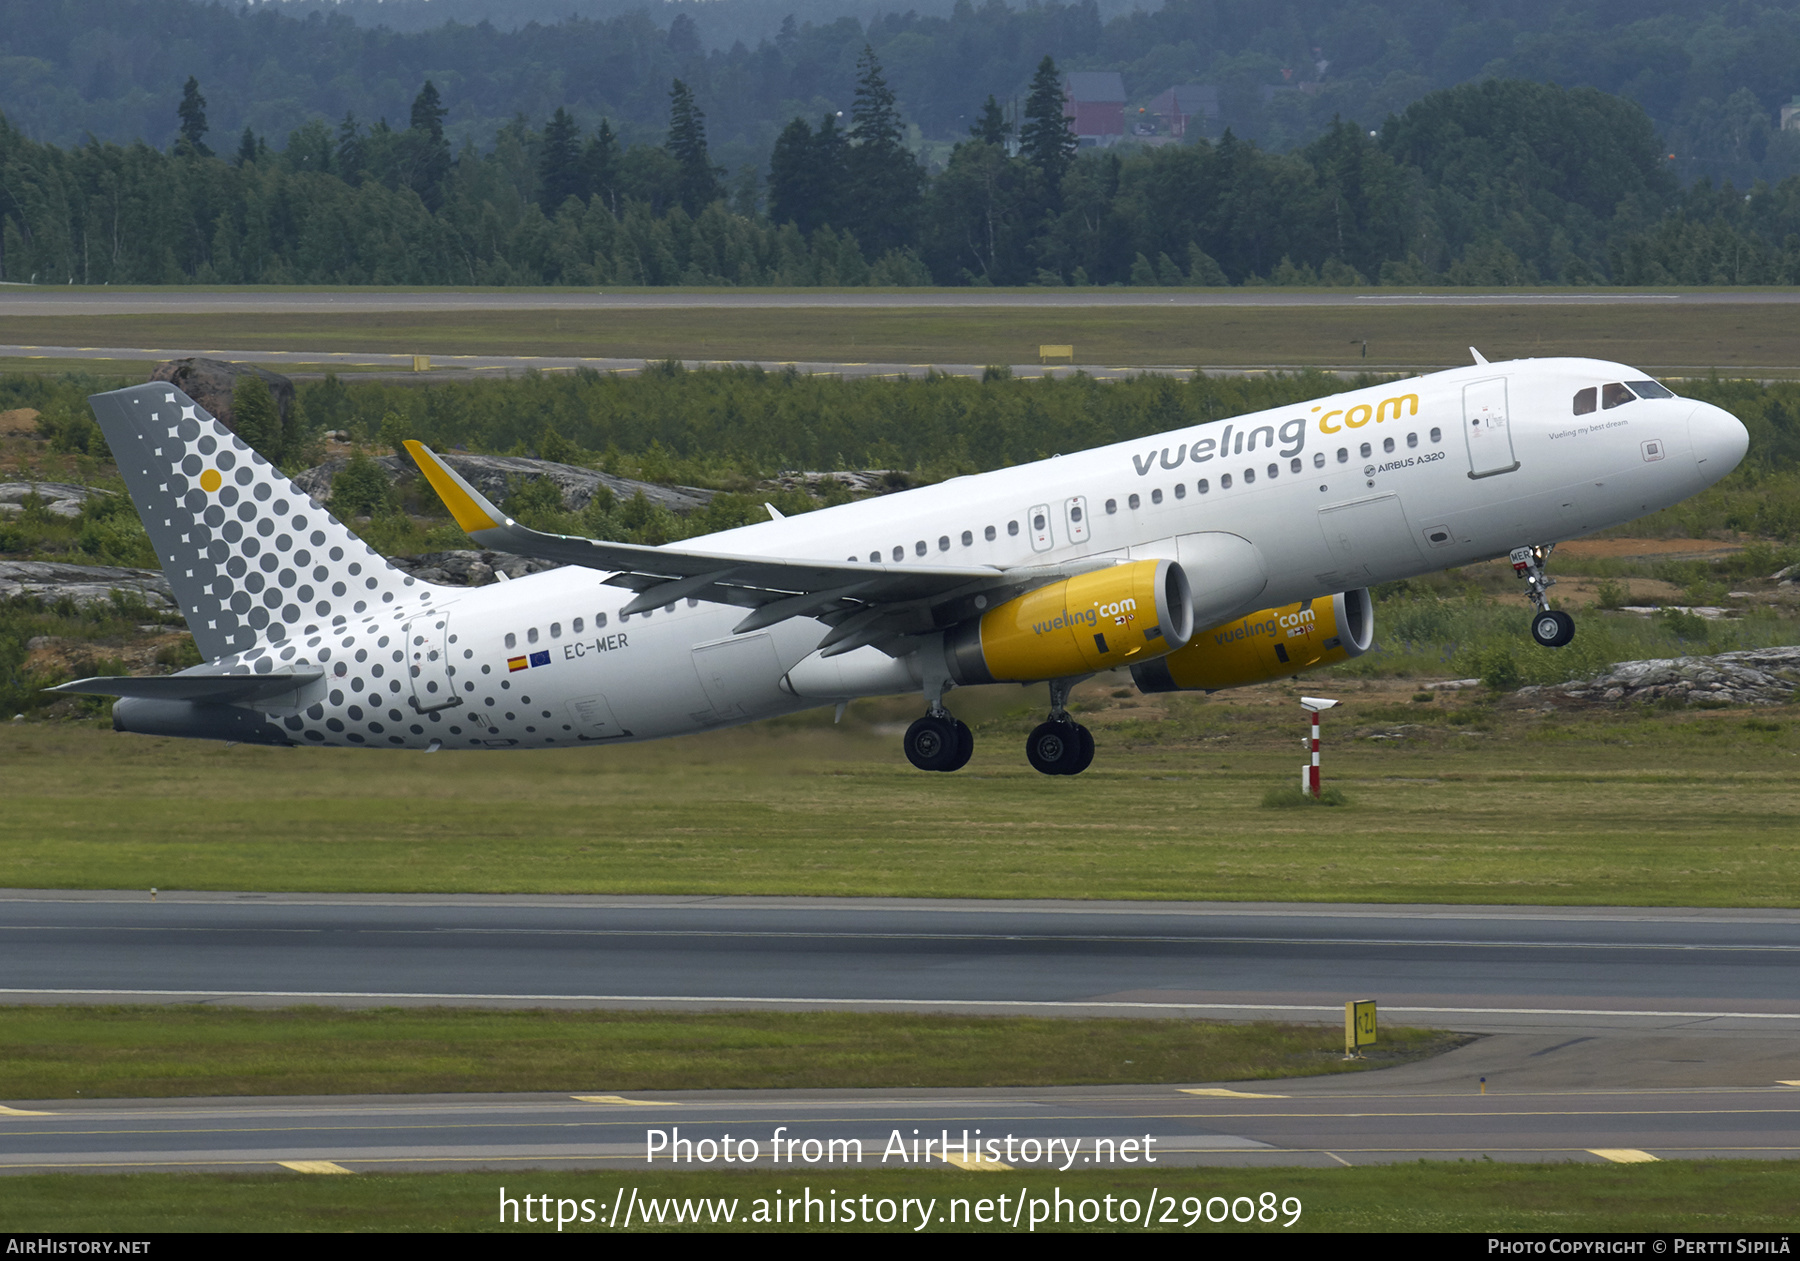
column 256, row 418
column 361, row 489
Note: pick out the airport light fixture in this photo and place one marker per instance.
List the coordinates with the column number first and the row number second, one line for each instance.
column 1309, row 772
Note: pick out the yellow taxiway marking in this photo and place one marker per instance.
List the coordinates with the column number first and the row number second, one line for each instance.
column 977, row 1166
column 1219, row 1092
column 21, row 1112
column 1623, row 1155
column 1788, row 1083
column 622, row 1100
column 312, row 1166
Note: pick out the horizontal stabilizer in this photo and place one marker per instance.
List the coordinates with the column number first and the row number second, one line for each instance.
column 218, row 689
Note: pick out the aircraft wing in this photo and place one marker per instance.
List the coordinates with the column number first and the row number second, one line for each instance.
column 864, row 603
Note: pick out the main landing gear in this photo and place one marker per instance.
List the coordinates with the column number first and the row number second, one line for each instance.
column 942, row 742
column 939, row 742
column 1060, row 746
column 1551, row 628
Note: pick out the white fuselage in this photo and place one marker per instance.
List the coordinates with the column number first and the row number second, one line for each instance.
column 1363, row 487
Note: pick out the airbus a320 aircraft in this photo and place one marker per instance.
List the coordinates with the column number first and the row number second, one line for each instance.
column 1229, row 553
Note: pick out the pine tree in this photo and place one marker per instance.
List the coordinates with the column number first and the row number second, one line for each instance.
column 350, row 153
column 193, row 117
column 247, row 148
column 429, row 150
column 600, row 166
column 1047, row 140
column 560, row 176
column 885, row 183
column 791, row 194
column 991, row 127
column 699, row 183
column 807, row 175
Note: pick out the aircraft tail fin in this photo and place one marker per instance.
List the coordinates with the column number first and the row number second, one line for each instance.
column 253, row 560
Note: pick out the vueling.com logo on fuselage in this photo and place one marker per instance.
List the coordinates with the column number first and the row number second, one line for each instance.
column 1119, row 612
column 1360, row 415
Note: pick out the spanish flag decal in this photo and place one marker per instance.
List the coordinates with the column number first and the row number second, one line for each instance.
column 515, row 663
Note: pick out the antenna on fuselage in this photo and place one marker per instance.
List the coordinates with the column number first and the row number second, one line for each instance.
column 1479, row 357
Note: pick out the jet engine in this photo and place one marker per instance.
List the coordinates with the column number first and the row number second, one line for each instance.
column 1091, row 622
column 1269, row 644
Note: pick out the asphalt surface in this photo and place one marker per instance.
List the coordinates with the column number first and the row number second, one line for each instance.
column 1663, row 1032
column 1263, row 1124
column 68, row 300
column 1480, row 968
column 460, row 367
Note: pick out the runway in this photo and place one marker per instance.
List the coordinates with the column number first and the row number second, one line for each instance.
column 1662, row 1032
column 1273, row 1125
column 1480, row 968
column 367, row 364
column 69, row 300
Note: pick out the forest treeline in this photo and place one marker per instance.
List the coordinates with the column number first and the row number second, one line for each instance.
column 1502, row 182
column 1710, row 73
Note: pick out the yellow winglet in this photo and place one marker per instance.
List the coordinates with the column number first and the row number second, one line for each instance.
column 466, row 504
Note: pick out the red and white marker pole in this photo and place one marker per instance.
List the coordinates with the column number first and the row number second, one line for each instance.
column 1309, row 773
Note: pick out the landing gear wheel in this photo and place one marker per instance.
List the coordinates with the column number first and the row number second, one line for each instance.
column 965, row 746
column 1059, row 748
column 1552, row 628
column 933, row 744
column 1085, row 754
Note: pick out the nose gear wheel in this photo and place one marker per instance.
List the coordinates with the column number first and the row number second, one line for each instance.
column 1550, row 628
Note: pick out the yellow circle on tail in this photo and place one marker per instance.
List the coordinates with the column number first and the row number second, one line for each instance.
column 210, row 480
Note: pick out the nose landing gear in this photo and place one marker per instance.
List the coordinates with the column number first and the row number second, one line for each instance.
column 1551, row 628
column 1060, row 746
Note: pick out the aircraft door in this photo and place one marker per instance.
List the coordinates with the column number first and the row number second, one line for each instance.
column 1368, row 541
column 1039, row 521
column 1486, row 428
column 428, row 663
column 741, row 676
column 1075, row 518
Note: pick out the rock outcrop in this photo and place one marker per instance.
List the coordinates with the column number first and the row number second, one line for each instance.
column 1756, row 676
column 64, row 499
column 469, row 568
column 209, row 382
column 492, row 475
column 51, row 581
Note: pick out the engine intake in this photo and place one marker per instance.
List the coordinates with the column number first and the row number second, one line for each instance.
column 1270, row 644
column 1081, row 625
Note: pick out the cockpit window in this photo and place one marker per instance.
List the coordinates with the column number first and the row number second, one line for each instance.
column 1586, row 400
column 1649, row 389
column 1616, row 395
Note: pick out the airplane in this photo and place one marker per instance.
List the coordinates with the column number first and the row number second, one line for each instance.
column 1224, row 554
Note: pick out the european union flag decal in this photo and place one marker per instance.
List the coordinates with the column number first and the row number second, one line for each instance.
column 540, row 658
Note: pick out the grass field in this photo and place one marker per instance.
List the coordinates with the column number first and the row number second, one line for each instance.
column 1693, row 1196
column 1752, row 340
column 146, row 1052
column 1453, row 800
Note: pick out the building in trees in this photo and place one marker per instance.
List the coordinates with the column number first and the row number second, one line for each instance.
column 1096, row 101
column 1184, row 104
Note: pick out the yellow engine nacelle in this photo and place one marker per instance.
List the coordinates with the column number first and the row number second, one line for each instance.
column 1081, row 625
column 1270, row 644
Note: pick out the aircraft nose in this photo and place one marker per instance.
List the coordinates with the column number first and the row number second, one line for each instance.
column 1719, row 440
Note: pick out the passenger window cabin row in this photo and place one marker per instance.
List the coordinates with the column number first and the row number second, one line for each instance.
column 1133, row 502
